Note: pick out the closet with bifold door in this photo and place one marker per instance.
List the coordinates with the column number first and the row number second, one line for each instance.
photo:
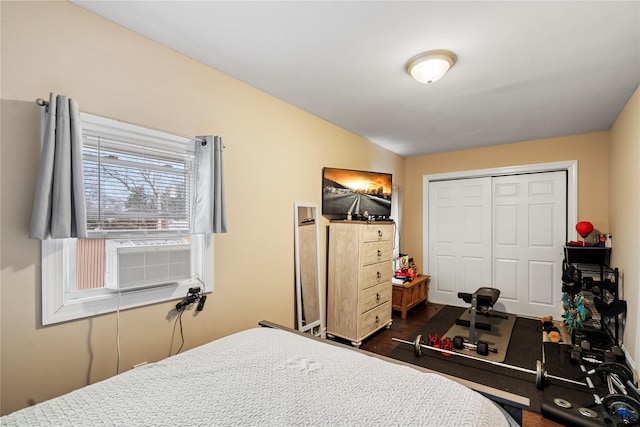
column 506, row 232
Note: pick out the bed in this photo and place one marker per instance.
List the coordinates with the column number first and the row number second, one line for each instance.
column 268, row 376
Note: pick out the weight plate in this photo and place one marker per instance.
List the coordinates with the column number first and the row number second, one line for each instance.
column 586, row 412
column 458, row 342
column 417, row 349
column 562, row 403
column 482, row 348
column 540, row 375
column 625, row 408
column 622, row 371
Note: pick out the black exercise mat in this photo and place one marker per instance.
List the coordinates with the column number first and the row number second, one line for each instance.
column 525, row 349
column 558, row 363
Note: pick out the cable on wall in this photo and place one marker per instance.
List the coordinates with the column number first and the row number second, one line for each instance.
column 118, row 334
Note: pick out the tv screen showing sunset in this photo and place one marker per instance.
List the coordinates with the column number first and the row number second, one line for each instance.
column 346, row 191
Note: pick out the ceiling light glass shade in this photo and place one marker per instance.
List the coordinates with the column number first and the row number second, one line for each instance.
column 430, row 66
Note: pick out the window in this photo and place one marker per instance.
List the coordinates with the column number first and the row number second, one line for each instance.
column 136, row 187
column 139, row 185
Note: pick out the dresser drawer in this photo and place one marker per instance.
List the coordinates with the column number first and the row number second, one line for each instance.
column 375, row 295
column 376, row 252
column 374, row 318
column 377, row 232
column 375, row 274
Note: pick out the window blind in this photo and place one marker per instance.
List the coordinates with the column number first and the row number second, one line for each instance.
column 137, row 180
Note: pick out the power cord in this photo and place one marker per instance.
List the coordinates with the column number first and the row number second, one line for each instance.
column 118, row 334
column 181, row 332
column 194, row 295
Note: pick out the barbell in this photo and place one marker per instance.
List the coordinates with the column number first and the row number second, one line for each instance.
column 541, row 375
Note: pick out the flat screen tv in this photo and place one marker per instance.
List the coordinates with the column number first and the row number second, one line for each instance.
column 362, row 195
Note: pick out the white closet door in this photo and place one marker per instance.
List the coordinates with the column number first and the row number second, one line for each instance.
column 529, row 232
column 459, row 238
column 506, row 232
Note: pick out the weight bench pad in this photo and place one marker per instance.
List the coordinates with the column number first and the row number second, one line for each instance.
column 485, row 296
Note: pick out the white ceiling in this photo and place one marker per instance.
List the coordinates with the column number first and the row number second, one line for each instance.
column 526, row 69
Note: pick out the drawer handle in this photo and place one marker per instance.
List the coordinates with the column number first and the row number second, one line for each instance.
column 379, row 254
column 379, row 275
column 377, row 319
column 379, row 234
column 377, row 297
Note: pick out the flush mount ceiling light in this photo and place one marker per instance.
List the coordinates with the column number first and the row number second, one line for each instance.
column 430, row 66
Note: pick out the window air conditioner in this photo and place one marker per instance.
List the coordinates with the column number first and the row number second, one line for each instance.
column 138, row 263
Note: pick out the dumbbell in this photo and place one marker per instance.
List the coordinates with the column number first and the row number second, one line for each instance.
column 583, row 352
column 481, row 347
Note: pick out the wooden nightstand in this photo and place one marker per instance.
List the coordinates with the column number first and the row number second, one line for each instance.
column 410, row 294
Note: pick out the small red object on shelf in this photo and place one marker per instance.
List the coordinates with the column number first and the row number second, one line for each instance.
column 405, row 273
column 584, row 228
column 574, row 243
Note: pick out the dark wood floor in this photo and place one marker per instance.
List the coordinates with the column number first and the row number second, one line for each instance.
column 381, row 343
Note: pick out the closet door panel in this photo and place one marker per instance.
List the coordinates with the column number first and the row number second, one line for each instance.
column 445, row 268
column 471, row 270
column 460, row 238
column 529, row 229
column 541, row 273
column 505, row 278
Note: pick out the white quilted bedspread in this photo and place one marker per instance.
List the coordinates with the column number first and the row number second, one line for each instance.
column 267, row 377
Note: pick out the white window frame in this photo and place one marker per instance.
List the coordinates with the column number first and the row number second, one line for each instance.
column 61, row 301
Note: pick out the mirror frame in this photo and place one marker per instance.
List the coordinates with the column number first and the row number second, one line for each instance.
column 316, row 327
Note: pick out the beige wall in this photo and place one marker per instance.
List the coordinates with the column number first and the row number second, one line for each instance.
column 274, row 157
column 624, row 211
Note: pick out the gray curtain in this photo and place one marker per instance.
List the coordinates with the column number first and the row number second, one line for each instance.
column 59, row 206
column 209, row 211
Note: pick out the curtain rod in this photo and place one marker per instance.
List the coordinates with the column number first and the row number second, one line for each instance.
column 43, row 103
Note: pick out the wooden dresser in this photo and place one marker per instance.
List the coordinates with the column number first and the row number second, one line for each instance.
column 359, row 279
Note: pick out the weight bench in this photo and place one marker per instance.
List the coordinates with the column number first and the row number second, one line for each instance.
column 482, row 301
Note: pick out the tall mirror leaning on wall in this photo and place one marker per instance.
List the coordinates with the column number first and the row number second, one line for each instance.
column 307, row 258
